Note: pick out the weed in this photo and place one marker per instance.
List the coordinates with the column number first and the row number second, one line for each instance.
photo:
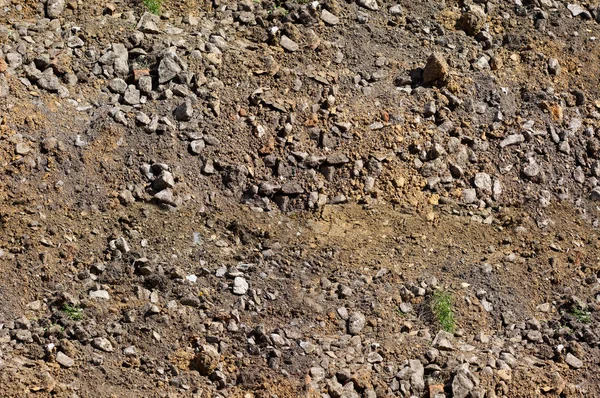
column 153, row 6
column 74, row 313
column 441, row 306
column 581, row 315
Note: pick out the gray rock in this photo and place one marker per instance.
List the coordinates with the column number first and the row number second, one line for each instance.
column 368, row 4
column 512, row 139
column 22, row 149
column 117, row 85
column 145, row 84
column 329, row 18
column 75, row 42
column 356, row 323
column 288, row 44
column 469, row 195
column 64, row 360
column 99, row 294
column 292, row 188
column 148, row 23
column 168, row 69
column 395, row 10
column 554, row 67
column 573, row 361
column 417, row 380
column 24, row 336
column 197, row 146
column 131, row 95
column 102, row 344
column 4, row 88
column 461, row 386
column 54, row 8
column 184, row 112
column 443, row 341
column 240, row 286
column 532, row 169
column 163, row 181
column 166, row 196
column 483, row 182
column 579, row 11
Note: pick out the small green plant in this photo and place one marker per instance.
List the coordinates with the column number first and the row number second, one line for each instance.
column 74, row 313
column 581, row 315
column 153, row 6
column 441, row 306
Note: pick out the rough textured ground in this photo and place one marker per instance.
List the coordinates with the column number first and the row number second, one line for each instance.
column 273, row 199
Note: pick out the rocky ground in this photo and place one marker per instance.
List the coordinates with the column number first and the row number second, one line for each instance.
column 299, row 199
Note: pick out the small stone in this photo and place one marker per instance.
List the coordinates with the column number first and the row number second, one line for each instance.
column 461, row 386
column 329, row 18
column 472, row 21
column 131, row 95
column 130, row 351
column 117, row 85
column 163, row 181
column 102, row 344
column 553, row 66
column 184, row 112
column 148, row 23
column 573, row 361
column 54, row 8
column 197, row 146
column 289, row 44
column 436, row 69
column 64, row 360
column 206, row 360
column 99, row 294
column 22, row 149
column 469, row 195
column 512, row 140
column 443, row 341
column 483, row 182
column 356, row 323
column 369, row 4
column 240, row 286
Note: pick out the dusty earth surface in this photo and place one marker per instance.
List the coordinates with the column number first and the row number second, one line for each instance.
column 299, row 199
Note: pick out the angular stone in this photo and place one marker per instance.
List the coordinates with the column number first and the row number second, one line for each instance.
column 64, row 360
column 240, row 286
column 368, row 4
column 436, row 69
column 289, row 44
column 356, row 323
column 54, row 8
column 206, row 360
column 329, row 18
column 102, row 344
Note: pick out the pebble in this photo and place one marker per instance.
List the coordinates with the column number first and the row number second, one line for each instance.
column 368, row 4
column 573, row 361
column 102, row 344
column 99, row 294
column 240, row 286
column 288, row 44
column 329, row 18
column 64, row 360
column 356, row 323
column 512, row 139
